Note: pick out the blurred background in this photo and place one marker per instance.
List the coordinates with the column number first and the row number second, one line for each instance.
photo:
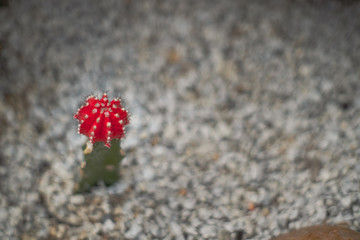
column 244, row 117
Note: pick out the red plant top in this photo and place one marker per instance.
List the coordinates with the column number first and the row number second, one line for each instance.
column 101, row 120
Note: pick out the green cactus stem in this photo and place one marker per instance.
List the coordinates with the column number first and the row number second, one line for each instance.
column 101, row 164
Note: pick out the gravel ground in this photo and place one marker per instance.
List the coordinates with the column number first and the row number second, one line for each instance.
column 245, row 117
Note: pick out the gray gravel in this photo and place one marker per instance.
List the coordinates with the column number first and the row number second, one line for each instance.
column 245, row 117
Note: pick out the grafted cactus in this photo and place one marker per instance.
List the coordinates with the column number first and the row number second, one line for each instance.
column 102, row 122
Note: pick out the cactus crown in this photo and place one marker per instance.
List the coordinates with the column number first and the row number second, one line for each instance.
column 101, row 120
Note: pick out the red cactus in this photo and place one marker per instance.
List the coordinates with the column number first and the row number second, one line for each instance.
column 101, row 120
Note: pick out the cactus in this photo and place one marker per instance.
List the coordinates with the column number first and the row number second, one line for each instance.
column 103, row 123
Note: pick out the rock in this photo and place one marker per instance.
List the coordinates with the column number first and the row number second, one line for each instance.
column 108, row 225
column 148, row 173
column 320, row 232
column 208, row 231
column 176, row 230
column 224, row 235
column 133, row 231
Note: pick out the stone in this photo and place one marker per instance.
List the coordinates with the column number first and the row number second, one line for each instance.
column 176, row 229
column 320, row 232
column 108, row 225
column 133, row 231
column 208, row 231
column 224, row 235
